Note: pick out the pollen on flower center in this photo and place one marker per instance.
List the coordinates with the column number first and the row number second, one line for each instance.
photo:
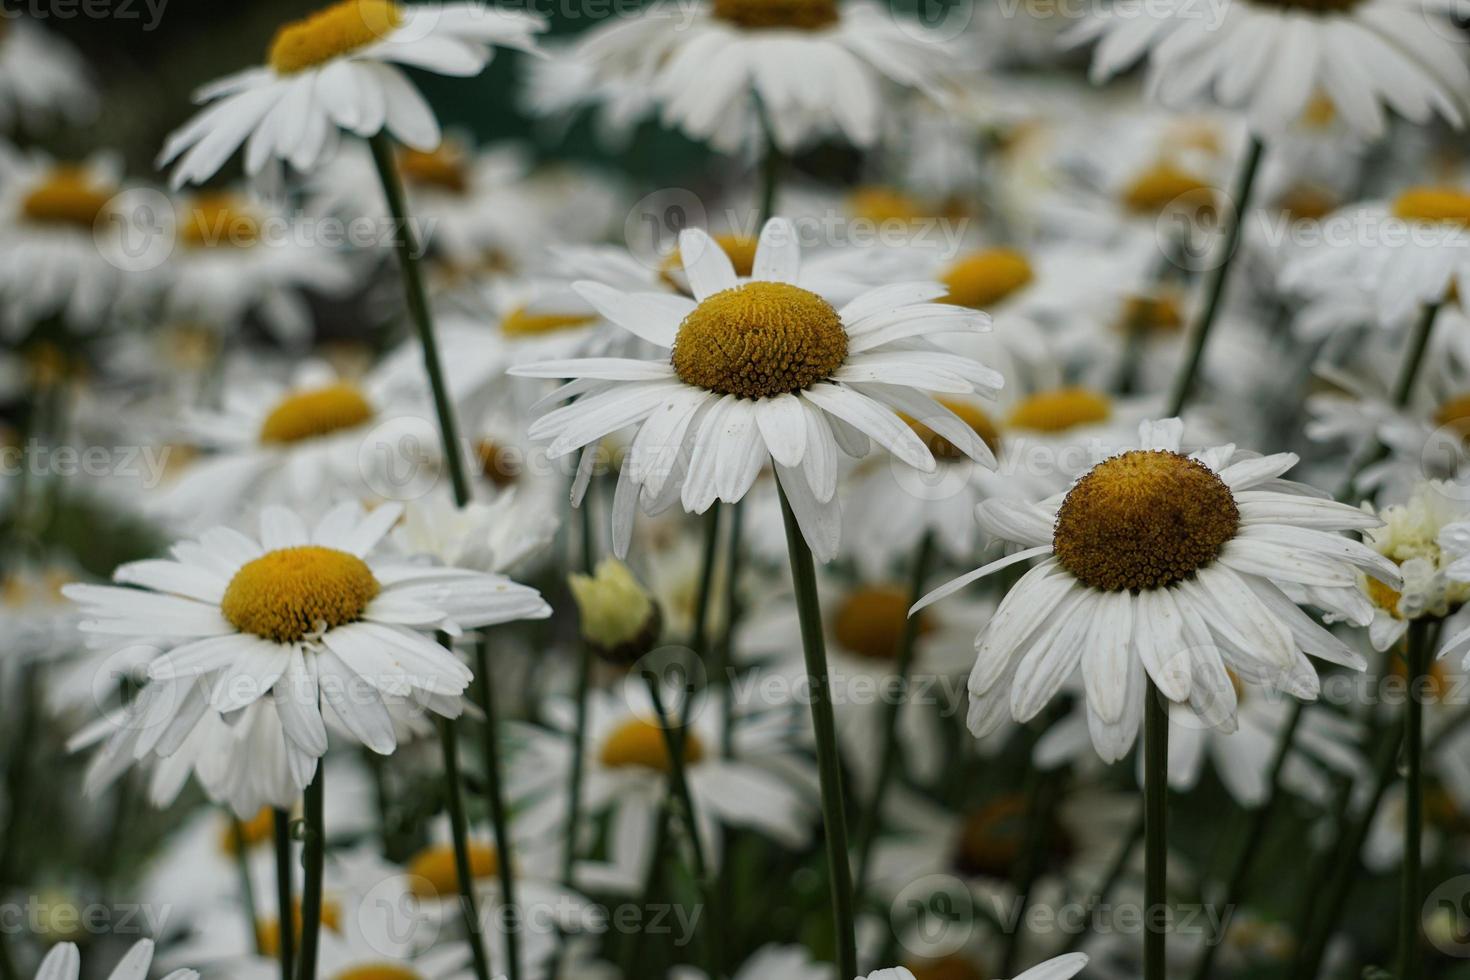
column 259, row 829
column 316, row 412
column 1060, row 410
column 340, row 29
column 1163, row 185
column 377, row 971
column 800, row 15
column 1151, row 314
column 432, row 872
column 219, row 220
column 442, row 168
column 760, row 340
column 870, row 621
column 982, row 279
column 521, row 322
column 971, row 415
column 290, row 593
column 1430, row 204
column 1144, row 520
column 69, row 196
column 640, row 743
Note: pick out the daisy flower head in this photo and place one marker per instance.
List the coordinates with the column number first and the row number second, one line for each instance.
column 806, row 69
column 42, row 78
column 312, row 624
column 64, row 962
column 1171, row 566
column 341, row 68
column 760, row 370
column 1270, row 58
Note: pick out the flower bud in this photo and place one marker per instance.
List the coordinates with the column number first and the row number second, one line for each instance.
column 620, row 620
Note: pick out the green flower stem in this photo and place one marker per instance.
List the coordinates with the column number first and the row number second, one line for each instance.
column 724, row 651
column 829, row 763
column 1412, row 894
column 247, row 887
column 888, row 754
column 313, row 857
column 1155, row 832
column 584, row 685
column 459, row 828
column 499, row 814
column 285, row 911
column 1215, row 287
column 406, row 243
column 1259, row 821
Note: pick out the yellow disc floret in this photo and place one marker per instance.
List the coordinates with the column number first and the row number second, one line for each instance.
column 268, row 931
column 870, row 621
column 1060, row 410
column 216, row 220
column 442, row 168
column 377, row 971
column 521, row 322
column 1144, row 520
column 316, row 412
column 432, row 872
column 1163, row 186
column 259, row 829
column 1454, row 413
column 1431, row 204
column 982, row 279
column 331, row 33
column 971, row 415
column 798, row 15
column 760, row 340
column 639, row 743
column 953, row 967
column 739, row 249
column 68, row 196
column 290, row 593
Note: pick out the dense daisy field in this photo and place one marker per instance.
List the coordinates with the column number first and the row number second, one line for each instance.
column 746, row 489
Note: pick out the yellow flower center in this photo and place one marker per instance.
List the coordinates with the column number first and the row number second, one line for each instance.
column 798, row 15
column 1060, row 410
column 259, row 829
column 1431, row 204
column 1149, row 314
column 68, row 196
column 739, row 249
column 1439, row 680
column 971, row 415
column 340, row 29
column 982, row 279
column 1161, row 186
column 316, row 412
column 880, row 204
column 1144, row 520
column 521, row 322
column 289, row 593
column 499, row 465
column 432, row 872
column 1454, row 414
column 268, row 931
column 1306, row 202
column 217, row 220
column 1383, row 597
column 377, row 971
column 639, row 743
column 991, row 838
column 870, row 621
column 443, row 168
column 952, row 967
column 760, row 340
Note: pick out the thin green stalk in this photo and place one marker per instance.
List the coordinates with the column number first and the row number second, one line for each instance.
column 829, row 763
column 285, row 911
column 247, row 887
column 1411, row 895
column 633, row 954
column 888, row 754
column 725, row 649
column 1344, row 867
column 499, row 814
column 406, row 244
column 314, row 851
column 459, row 829
column 679, row 789
column 584, row 684
column 1215, row 286
column 18, row 773
column 1155, row 832
column 1255, row 833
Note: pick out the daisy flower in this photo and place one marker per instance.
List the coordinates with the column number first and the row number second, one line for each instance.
column 309, row 624
column 1058, row 968
column 1269, row 58
column 64, row 962
column 814, row 68
column 235, row 257
column 341, row 67
column 42, row 78
column 759, row 371
column 1426, row 536
column 1172, row 566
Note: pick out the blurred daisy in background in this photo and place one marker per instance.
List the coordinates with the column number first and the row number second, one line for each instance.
column 341, row 67
column 43, row 80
